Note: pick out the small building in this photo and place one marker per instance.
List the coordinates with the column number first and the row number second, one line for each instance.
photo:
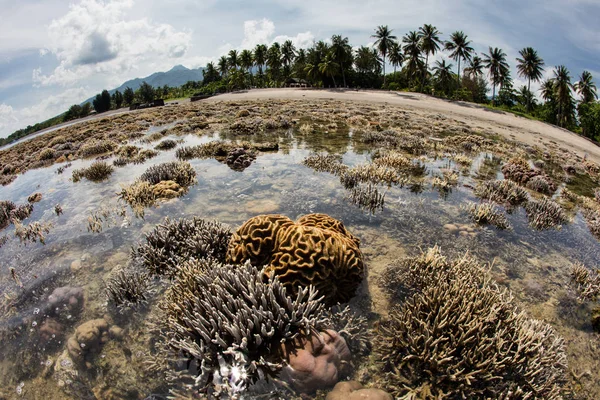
column 295, row 82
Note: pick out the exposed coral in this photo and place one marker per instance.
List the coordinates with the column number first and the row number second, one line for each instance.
column 34, row 198
column 32, row 232
column 487, row 213
column 387, row 138
column 6, row 207
column 230, row 323
column 167, row 190
column 545, row 213
column 166, row 144
column 540, row 184
column 325, row 163
column 98, row 171
column 239, row 159
column 21, row 212
column 457, row 335
column 367, row 197
column 518, row 170
column 586, row 281
column 301, row 254
column 174, row 242
column 46, row 154
column 96, row 147
column 179, row 171
column 502, row 192
column 353, row 390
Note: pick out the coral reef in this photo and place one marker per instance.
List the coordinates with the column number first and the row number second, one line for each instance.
column 586, row 281
column 545, row 214
column 325, row 163
column 176, row 241
column 540, row 184
column 519, row 171
column 502, row 192
column 368, row 198
column 180, row 172
column 98, row 171
column 97, row 147
column 315, row 362
column 46, row 154
column 239, row 159
column 230, row 323
column 487, row 213
column 32, row 232
column 457, row 335
column 34, row 198
column 166, row 144
column 88, row 339
column 353, row 390
column 302, row 253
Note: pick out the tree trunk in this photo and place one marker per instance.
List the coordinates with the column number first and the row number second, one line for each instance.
column 528, row 97
column 332, row 77
column 459, row 85
column 493, row 94
column 343, row 74
column 384, row 70
column 425, row 71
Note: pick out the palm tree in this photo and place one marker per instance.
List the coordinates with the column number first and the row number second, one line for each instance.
column 412, row 51
column 367, row 60
column 233, row 59
column 396, row 56
column 563, row 97
column 460, row 49
column 260, row 58
column 223, row 64
column 498, row 67
column 586, row 88
column 210, row 73
column 246, row 60
column 430, row 44
column 526, row 98
column 443, row 75
column 300, row 63
column 530, row 65
column 475, row 68
column 383, row 43
column 329, row 67
column 547, row 90
column 288, row 52
column 342, row 52
column 274, row 61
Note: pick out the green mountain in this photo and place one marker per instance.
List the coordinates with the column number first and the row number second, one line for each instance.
column 176, row 76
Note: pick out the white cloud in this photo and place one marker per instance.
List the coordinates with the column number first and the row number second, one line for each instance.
column 95, row 37
column 11, row 119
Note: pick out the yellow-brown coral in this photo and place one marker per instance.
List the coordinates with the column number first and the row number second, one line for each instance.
column 316, row 250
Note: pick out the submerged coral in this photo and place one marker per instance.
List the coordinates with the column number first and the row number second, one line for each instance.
column 166, row 144
column 302, row 253
column 176, row 241
column 367, row 197
column 32, row 232
column 353, row 390
column 457, row 335
column 230, row 323
column 545, row 213
column 487, row 213
column 586, row 281
column 180, row 172
column 502, row 192
column 325, row 163
column 127, row 289
column 239, row 159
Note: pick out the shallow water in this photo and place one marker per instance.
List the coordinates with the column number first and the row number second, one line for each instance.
column 533, row 264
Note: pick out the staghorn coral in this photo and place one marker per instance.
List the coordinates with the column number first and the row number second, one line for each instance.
column 540, row 184
column 487, row 213
column 545, row 214
column 367, row 197
column 586, row 281
column 173, row 242
column 98, row 171
column 6, row 207
column 386, row 138
column 127, row 289
column 96, row 147
column 21, row 212
column 457, row 335
column 180, row 172
column 32, row 232
column 138, row 195
column 46, row 154
column 518, row 170
column 230, row 323
column 166, row 144
column 301, row 253
column 502, row 192
column 325, row 163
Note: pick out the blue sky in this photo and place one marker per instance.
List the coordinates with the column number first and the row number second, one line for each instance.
column 54, row 53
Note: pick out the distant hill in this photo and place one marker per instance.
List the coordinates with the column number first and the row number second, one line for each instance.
column 176, row 76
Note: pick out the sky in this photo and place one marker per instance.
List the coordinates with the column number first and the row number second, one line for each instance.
column 55, row 53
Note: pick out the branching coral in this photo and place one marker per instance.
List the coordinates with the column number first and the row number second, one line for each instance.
column 325, row 163
column 127, row 289
column 502, row 192
column 586, row 281
column 304, row 253
column 46, row 154
column 231, row 323
column 174, row 242
column 166, row 144
column 368, row 198
column 97, row 172
column 32, row 232
column 458, row 336
column 487, row 213
column 96, row 147
column 180, row 172
column 545, row 213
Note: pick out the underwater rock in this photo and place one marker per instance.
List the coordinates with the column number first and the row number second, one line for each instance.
column 88, row 340
column 51, row 332
column 34, row 198
column 316, row 250
column 65, row 300
column 315, row 363
column 353, row 390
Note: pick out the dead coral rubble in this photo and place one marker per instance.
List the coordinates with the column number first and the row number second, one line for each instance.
column 457, row 335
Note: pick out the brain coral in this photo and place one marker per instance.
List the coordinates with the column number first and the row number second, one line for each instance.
column 317, row 250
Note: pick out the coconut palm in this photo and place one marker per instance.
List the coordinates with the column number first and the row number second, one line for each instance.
column 530, row 65
column 396, row 56
column 288, row 52
column 367, row 60
column 526, row 98
column 475, row 68
column 246, row 60
column 210, row 73
column 586, row 88
column 312, row 71
column 460, row 49
column 547, row 90
column 563, row 97
column 274, row 61
column 232, row 59
column 430, row 43
column 383, row 43
column 342, row 53
column 260, row 57
column 498, row 68
column 412, row 52
column 443, row 75
column 223, row 64
column 329, row 67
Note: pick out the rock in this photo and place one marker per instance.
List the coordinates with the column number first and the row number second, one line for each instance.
column 34, row 198
column 87, row 340
column 76, row 265
column 116, row 332
column 353, row 390
column 243, row 113
column 315, row 363
column 451, row 227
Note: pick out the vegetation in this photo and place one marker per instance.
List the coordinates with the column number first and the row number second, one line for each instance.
column 337, row 62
